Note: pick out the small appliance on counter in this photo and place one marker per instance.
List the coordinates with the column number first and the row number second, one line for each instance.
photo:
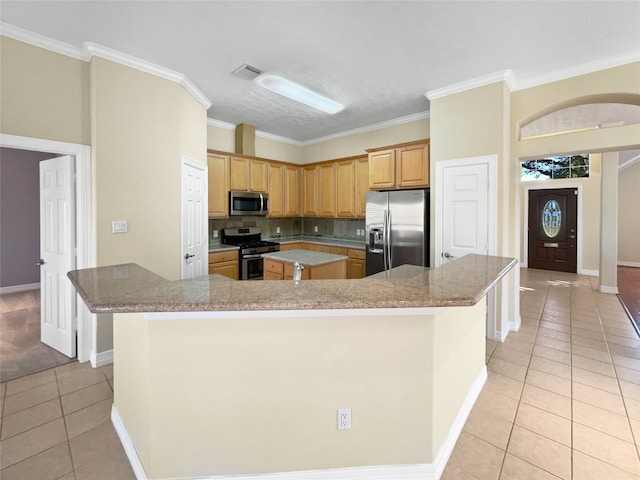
column 397, row 229
column 251, row 245
column 248, row 203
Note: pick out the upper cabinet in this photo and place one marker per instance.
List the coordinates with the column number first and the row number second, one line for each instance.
column 309, row 208
column 218, row 185
column 361, row 174
column 247, row 174
column 399, row 166
column 345, row 191
column 326, row 190
column 292, row 191
column 276, row 189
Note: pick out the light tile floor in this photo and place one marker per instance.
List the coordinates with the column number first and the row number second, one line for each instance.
column 56, row 425
column 563, row 395
column 562, row 401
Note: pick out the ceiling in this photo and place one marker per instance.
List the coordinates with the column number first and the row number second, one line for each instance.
column 378, row 58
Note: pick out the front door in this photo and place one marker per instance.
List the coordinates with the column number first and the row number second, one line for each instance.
column 57, row 254
column 553, row 224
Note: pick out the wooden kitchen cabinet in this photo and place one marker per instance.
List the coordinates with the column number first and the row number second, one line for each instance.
column 218, row 181
column 399, row 166
column 248, row 174
column 292, row 189
column 275, row 270
column 345, row 191
column 326, row 190
column 224, row 263
column 339, row 251
column 356, row 265
column 291, row 246
column 309, row 208
column 276, row 189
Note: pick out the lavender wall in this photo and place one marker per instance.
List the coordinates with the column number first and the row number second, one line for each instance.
column 19, row 216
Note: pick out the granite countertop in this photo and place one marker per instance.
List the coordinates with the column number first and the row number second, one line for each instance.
column 132, row 288
column 305, row 257
column 221, row 247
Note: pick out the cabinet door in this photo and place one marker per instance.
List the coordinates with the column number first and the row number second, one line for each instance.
column 412, row 167
column 228, row 269
column 218, row 185
column 382, row 169
column 272, row 276
column 345, row 191
column 326, row 192
column 292, row 191
column 257, row 175
column 239, row 174
column 309, row 204
column 355, row 268
column 361, row 173
column 276, row 190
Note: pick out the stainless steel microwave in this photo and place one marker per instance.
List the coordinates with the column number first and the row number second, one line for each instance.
column 248, row 203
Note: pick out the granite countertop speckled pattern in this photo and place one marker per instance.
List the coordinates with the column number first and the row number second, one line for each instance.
column 305, row 257
column 132, row 288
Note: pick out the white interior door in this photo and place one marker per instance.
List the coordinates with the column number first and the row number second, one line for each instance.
column 57, row 254
column 194, row 219
column 465, row 221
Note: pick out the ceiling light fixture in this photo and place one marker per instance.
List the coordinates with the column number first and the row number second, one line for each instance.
column 301, row 94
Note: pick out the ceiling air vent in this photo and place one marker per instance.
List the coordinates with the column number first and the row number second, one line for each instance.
column 247, row 71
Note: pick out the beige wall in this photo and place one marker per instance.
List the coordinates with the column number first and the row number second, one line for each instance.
column 357, row 144
column 268, row 389
column 141, row 127
column 43, row 94
column 628, row 223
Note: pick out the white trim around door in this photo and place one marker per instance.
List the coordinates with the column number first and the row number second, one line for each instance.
column 85, row 240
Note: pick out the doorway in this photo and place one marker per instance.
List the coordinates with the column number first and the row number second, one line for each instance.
column 553, row 229
column 85, row 322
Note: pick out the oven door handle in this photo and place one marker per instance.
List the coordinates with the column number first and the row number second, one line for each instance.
column 249, row 257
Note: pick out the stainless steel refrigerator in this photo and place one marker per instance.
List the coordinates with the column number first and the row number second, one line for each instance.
column 397, row 229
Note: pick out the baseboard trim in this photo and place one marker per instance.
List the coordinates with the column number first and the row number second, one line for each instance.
column 20, row 288
column 101, row 359
column 426, row 471
column 606, row 289
column 590, row 273
column 629, row 264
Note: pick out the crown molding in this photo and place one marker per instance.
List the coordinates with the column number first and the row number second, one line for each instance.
column 628, row 163
column 96, row 50
column 90, row 49
column 504, row 76
column 41, row 41
column 221, row 124
column 278, row 138
column 577, row 70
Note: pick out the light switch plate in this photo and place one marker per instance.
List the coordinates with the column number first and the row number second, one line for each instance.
column 119, row 226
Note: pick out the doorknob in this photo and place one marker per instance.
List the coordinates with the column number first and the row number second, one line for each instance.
column 571, row 236
column 447, row 255
column 40, row 262
column 187, row 256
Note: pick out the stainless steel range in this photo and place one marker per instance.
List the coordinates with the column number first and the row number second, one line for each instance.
column 251, row 249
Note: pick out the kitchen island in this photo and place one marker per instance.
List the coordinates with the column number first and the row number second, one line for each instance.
column 317, row 265
column 217, row 378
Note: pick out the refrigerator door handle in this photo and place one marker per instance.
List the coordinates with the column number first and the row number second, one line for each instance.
column 389, row 259
column 385, row 241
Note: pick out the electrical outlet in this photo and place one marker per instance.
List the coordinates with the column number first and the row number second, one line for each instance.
column 277, row 229
column 344, row 419
column 315, row 229
column 215, row 234
column 358, row 232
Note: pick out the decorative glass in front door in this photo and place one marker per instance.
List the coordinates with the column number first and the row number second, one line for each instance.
column 551, row 218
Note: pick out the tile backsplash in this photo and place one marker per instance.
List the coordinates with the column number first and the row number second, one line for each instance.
column 327, row 227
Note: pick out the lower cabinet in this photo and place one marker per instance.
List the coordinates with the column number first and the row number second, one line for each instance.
column 356, row 264
column 224, row 263
column 274, row 270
